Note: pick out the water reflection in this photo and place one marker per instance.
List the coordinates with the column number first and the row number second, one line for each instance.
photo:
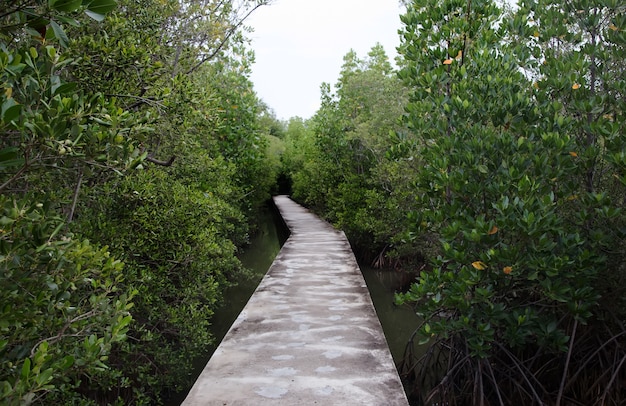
column 398, row 322
column 257, row 258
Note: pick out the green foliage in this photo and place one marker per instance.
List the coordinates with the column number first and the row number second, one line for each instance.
column 47, row 122
column 43, row 20
column 125, row 58
column 62, row 307
column 338, row 164
column 176, row 241
column 497, row 199
column 89, row 107
column 507, row 174
column 239, row 138
column 513, row 188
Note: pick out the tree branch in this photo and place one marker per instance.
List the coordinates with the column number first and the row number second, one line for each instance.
column 155, row 161
column 223, row 43
column 70, row 217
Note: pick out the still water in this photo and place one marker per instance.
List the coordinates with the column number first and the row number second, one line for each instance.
column 257, row 258
column 398, row 322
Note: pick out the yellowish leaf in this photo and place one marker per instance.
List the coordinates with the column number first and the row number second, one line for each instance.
column 575, row 86
column 536, row 34
column 8, row 92
column 507, row 270
column 459, row 55
column 447, row 62
column 574, row 154
column 613, row 27
column 480, row 265
column 493, row 230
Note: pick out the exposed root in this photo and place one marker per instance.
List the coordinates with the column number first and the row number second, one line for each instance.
column 592, row 372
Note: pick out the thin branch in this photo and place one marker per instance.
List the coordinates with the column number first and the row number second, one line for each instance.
column 608, row 386
column 75, row 198
column 495, row 382
column 226, row 38
column 155, row 161
column 61, row 333
column 519, row 368
column 567, row 361
column 17, row 175
column 16, row 9
column 591, row 356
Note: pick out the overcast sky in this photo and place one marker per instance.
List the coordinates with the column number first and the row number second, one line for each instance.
column 301, row 43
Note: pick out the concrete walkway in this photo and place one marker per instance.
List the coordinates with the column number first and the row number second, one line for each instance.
column 309, row 334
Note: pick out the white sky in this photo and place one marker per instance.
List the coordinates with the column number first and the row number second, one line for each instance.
column 301, row 43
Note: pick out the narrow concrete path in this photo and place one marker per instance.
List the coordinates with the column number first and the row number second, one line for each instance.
column 309, row 334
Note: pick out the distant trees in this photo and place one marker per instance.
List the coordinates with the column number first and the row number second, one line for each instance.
column 337, row 159
column 131, row 125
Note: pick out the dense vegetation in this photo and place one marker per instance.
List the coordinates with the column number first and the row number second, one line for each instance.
column 492, row 163
column 133, row 154
column 496, row 155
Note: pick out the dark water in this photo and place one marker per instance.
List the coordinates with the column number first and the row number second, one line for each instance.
column 398, row 322
column 257, row 257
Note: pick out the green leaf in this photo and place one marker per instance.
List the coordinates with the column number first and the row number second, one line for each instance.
column 65, row 5
column 102, row 6
column 59, row 33
column 44, row 377
column 68, row 361
column 423, row 341
column 65, row 88
column 98, row 17
column 5, row 389
column 26, row 369
column 68, row 20
column 51, row 51
column 55, row 83
column 124, row 322
column 11, row 113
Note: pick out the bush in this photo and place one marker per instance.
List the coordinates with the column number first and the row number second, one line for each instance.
column 177, row 242
column 513, row 190
column 62, row 307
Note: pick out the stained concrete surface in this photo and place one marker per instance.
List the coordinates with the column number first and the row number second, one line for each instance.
column 308, row 335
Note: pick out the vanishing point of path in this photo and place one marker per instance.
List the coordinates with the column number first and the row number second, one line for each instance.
column 309, row 334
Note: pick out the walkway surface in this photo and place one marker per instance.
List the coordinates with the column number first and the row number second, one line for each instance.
column 308, row 335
